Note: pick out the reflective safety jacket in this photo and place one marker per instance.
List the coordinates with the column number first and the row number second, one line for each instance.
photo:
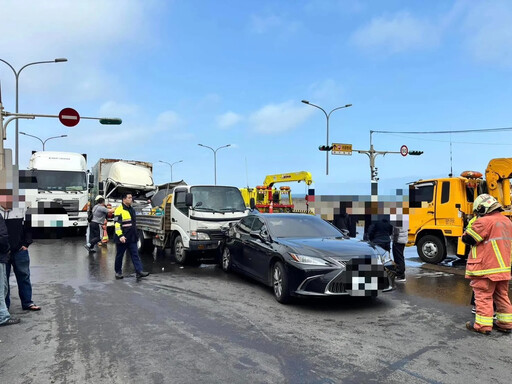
column 125, row 224
column 491, row 255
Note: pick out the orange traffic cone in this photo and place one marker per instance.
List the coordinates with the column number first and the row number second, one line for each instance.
column 271, row 207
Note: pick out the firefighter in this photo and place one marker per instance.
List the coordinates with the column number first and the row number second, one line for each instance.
column 488, row 265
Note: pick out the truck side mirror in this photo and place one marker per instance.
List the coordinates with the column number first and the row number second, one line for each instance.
column 100, row 186
column 252, row 203
column 188, row 199
column 91, row 178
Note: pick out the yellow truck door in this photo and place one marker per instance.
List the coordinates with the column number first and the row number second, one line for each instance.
column 449, row 202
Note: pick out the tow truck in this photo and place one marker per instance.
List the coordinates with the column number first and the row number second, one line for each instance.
column 439, row 209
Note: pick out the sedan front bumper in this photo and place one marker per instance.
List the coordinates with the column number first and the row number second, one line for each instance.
column 360, row 277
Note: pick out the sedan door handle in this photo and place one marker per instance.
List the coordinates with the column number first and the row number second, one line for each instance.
column 432, row 212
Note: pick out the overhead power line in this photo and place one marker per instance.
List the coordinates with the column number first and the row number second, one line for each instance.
column 439, row 132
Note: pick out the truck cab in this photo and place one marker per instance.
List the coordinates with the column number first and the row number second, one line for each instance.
column 58, row 194
column 439, row 210
column 192, row 220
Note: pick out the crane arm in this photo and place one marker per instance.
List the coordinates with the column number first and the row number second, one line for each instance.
column 497, row 176
column 270, row 180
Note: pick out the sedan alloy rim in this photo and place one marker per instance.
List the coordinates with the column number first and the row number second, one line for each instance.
column 278, row 282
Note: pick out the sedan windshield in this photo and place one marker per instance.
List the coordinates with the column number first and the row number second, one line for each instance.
column 301, row 226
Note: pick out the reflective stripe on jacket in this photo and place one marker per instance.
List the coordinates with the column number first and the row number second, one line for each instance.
column 491, row 255
column 125, row 224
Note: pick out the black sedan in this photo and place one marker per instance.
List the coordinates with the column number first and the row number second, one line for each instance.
column 303, row 255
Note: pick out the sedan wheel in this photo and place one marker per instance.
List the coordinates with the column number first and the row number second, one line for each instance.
column 226, row 260
column 280, row 283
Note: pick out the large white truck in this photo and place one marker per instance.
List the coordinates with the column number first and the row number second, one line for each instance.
column 113, row 177
column 57, row 190
column 189, row 221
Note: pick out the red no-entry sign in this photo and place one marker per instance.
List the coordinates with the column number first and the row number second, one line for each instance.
column 69, row 117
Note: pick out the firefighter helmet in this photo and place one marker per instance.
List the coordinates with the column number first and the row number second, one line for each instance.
column 485, row 204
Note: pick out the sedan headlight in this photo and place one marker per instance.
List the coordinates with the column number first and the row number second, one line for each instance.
column 309, row 260
column 199, row 236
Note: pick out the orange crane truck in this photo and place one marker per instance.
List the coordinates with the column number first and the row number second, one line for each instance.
column 268, row 198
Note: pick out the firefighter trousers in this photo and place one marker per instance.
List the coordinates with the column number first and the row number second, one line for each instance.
column 488, row 292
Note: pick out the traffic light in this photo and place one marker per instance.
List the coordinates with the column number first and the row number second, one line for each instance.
column 325, row 147
column 415, row 153
column 111, row 121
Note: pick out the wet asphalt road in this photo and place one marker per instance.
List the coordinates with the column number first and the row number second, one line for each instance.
column 200, row 325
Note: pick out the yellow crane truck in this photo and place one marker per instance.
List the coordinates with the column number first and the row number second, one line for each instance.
column 439, row 209
column 268, row 198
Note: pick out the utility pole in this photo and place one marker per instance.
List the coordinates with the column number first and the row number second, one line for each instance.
column 372, row 154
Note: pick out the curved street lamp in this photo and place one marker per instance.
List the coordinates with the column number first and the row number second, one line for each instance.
column 215, row 158
column 170, row 165
column 43, row 141
column 327, row 115
column 17, row 75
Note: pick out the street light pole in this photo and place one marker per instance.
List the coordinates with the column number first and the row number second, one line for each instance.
column 327, row 116
column 17, row 75
column 170, row 165
column 215, row 158
column 43, row 141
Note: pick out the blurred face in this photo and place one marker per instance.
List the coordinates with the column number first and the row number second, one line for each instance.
column 128, row 200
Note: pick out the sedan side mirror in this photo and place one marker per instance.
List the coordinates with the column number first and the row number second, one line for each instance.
column 262, row 235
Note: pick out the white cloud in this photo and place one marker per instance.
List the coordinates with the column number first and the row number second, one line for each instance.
column 489, row 31
column 273, row 24
column 88, row 33
column 114, row 109
column 279, row 118
column 397, row 33
column 168, row 120
column 228, row 119
column 326, row 90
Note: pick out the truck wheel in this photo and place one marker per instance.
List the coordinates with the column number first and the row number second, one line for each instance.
column 180, row 254
column 226, row 260
column 144, row 245
column 280, row 283
column 431, row 249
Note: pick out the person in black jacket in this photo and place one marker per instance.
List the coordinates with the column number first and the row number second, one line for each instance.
column 379, row 233
column 5, row 316
column 20, row 237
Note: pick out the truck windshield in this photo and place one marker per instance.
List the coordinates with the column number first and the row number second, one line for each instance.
column 217, row 199
column 60, row 180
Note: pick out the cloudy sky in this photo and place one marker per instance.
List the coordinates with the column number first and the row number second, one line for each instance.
column 185, row 72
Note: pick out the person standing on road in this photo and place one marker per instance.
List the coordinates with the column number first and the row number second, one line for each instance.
column 379, row 233
column 126, row 237
column 399, row 241
column 488, row 265
column 5, row 316
column 20, row 238
column 99, row 215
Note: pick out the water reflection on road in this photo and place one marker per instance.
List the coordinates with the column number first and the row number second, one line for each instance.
column 66, row 261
